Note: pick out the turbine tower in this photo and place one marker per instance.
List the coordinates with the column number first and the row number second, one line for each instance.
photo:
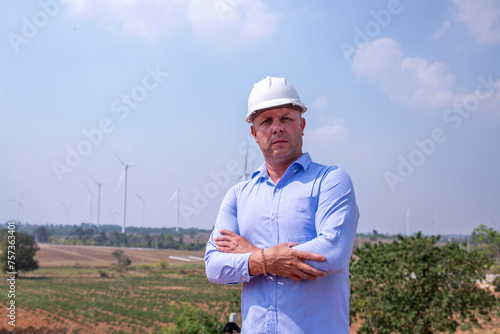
column 19, row 205
column 408, row 222
column 113, row 214
column 436, row 223
column 66, row 211
column 178, row 194
column 124, row 174
column 99, row 184
column 143, row 199
column 91, row 199
column 245, row 175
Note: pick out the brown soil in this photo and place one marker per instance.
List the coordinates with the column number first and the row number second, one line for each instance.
column 97, row 257
column 42, row 322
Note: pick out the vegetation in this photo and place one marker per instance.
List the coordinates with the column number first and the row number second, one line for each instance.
column 412, row 285
column 123, row 261
column 191, row 320
column 488, row 239
column 132, row 301
column 18, row 252
column 110, row 235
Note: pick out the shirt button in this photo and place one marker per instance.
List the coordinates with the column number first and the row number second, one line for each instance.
column 270, row 307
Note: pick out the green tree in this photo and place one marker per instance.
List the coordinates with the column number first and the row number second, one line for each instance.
column 18, row 252
column 42, row 234
column 123, row 261
column 189, row 319
column 412, row 285
column 489, row 239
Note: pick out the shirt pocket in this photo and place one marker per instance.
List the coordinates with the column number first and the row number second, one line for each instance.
column 297, row 219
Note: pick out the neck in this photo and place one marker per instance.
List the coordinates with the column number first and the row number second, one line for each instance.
column 276, row 169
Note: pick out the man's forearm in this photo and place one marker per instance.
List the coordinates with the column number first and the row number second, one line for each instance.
column 225, row 268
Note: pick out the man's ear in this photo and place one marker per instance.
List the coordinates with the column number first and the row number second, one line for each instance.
column 254, row 133
column 302, row 124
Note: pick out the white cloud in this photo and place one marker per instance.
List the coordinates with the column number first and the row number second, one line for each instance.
column 221, row 23
column 406, row 80
column 229, row 23
column 328, row 134
column 150, row 19
column 480, row 18
column 484, row 100
column 447, row 26
column 320, row 103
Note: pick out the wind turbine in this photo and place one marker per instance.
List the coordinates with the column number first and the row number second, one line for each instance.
column 66, row 211
column 124, row 174
column 19, row 205
column 178, row 194
column 245, row 175
column 436, row 222
column 113, row 214
column 99, row 184
column 91, row 199
column 143, row 199
column 408, row 222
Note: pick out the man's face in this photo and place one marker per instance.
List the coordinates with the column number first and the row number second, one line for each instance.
column 279, row 134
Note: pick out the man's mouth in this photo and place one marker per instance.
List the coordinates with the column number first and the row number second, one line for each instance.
column 279, row 141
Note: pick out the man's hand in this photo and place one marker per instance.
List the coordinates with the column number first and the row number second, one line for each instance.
column 283, row 260
column 230, row 242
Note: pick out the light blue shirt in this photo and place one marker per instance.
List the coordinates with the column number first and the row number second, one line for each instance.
column 312, row 205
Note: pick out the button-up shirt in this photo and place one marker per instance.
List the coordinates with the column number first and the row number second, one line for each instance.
column 312, row 205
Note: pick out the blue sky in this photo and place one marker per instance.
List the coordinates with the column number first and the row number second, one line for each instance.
column 404, row 95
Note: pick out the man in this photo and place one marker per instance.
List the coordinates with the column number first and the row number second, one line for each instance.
column 287, row 233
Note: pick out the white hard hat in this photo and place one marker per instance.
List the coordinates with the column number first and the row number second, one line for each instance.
column 272, row 92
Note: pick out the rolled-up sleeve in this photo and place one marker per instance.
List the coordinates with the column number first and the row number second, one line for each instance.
column 226, row 268
column 336, row 221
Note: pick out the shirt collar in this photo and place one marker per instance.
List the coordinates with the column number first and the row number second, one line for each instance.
column 304, row 161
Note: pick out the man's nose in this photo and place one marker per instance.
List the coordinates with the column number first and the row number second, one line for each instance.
column 277, row 127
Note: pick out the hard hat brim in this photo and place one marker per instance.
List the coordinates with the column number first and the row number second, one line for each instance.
column 277, row 103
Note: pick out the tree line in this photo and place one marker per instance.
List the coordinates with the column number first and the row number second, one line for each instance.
column 110, row 235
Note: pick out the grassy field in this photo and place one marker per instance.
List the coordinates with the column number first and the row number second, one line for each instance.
column 100, row 299
column 80, row 290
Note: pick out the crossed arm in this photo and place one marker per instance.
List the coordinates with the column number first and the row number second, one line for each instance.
column 281, row 260
column 231, row 258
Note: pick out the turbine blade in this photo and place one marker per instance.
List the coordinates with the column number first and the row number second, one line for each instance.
column 88, row 200
column 172, row 179
column 173, row 196
column 119, row 182
column 116, row 155
column 92, row 178
column 88, row 188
